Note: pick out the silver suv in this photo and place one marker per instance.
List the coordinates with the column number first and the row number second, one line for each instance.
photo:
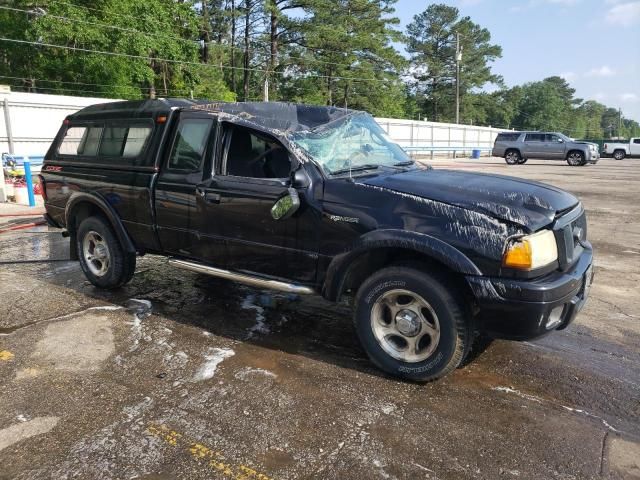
column 518, row 147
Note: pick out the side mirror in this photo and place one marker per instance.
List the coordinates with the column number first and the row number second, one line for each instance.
column 286, row 205
column 299, row 178
column 560, row 140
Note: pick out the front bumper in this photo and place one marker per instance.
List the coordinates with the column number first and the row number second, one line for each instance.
column 527, row 309
column 593, row 157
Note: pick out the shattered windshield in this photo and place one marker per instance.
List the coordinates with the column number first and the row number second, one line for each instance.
column 352, row 143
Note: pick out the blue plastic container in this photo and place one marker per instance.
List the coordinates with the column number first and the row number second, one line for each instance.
column 475, row 154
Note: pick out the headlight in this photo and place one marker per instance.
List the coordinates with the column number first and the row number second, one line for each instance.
column 532, row 251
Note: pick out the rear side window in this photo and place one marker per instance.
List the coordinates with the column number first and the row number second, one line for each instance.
column 636, row 140
column 124, row 142
column 507, row 137
column 190, row 143
column 535, row 137
column 81, row 141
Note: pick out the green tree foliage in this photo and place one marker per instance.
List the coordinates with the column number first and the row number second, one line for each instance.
column 343, row 56
column 431, row 41
column 159, row 38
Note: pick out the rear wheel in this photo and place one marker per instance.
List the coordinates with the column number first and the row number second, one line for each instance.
column 512, row 157
column 102, row 258
column 619, row 154
column 411, row 324
column 576, row 159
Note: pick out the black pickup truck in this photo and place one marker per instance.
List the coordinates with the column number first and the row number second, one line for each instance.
column 318, row 200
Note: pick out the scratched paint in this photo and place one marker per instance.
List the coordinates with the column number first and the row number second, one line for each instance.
column 199, row 452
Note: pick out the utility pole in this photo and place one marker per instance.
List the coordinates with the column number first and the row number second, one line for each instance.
column 458, row 59
column 619, row 122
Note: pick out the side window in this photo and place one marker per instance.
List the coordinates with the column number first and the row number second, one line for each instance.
column 535, row 137
column 636, row 140
column 507, row 137
column 80, row 141
column 254, row 155
column 124, row 142
column 190, row 143
column 136, row 140
column 552, row 138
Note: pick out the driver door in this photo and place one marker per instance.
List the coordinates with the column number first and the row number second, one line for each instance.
column 252, row 172
column 555, row 146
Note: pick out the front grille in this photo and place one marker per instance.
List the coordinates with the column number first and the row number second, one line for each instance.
column 570, row 231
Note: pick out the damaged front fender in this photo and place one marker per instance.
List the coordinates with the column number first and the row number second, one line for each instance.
column 382, row 240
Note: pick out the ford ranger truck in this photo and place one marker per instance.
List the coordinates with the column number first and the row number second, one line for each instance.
column 319, row 200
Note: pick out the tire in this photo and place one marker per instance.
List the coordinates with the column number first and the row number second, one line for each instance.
column 387, row 323
column 512, row 157
column 102, row 258
column 619, row 154
column 522, row 161
column 479, row 345
column 576, row 159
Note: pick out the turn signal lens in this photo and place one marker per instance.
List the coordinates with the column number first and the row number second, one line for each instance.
column 531, row 252
column 518, row 255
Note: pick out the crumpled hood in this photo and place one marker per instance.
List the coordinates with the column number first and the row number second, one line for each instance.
column 530, row 204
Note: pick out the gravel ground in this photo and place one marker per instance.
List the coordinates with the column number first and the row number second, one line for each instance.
column 178, row 375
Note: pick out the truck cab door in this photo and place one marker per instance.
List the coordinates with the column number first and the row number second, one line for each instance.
column 634, row 147
column 186, row 164
column 253, row 171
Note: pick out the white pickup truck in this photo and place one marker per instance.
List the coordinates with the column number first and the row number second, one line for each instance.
column 621, row 150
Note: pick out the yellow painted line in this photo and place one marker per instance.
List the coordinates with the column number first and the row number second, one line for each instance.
column 6, row 355
column 199, row 452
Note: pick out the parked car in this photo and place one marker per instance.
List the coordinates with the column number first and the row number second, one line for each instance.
column 518, row 147
column 318, row 200
column 622, row 150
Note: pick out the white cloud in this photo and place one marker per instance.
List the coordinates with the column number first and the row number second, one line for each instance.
column 624, row 14
column 603, row 71
column 568, row 76
column 629, row 97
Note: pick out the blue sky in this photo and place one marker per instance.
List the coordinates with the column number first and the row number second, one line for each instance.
column 594, row 44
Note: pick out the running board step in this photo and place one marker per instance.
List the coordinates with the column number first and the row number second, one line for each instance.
column 241, row 277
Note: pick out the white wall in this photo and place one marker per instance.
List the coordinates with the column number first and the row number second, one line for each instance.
column 412, row 133
column 36, row 118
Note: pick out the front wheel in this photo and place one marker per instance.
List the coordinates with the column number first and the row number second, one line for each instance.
column 512, row 157
column 522, row 161
column 576, row 159
column 619, row 154
column 411, row 324
column 102, row 258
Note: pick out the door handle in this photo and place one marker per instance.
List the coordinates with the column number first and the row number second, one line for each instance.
column 212, row 197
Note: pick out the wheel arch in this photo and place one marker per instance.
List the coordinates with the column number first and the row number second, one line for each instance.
column 382, row 248
column 83, row 205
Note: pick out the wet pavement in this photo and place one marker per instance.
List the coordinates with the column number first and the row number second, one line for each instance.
column 179, row 375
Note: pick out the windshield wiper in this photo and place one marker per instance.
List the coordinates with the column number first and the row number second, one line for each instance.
column 404, row 164
column 357, row 168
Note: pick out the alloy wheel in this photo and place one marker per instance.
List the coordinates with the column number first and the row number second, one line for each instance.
column 96, row 253
column 405, row 326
